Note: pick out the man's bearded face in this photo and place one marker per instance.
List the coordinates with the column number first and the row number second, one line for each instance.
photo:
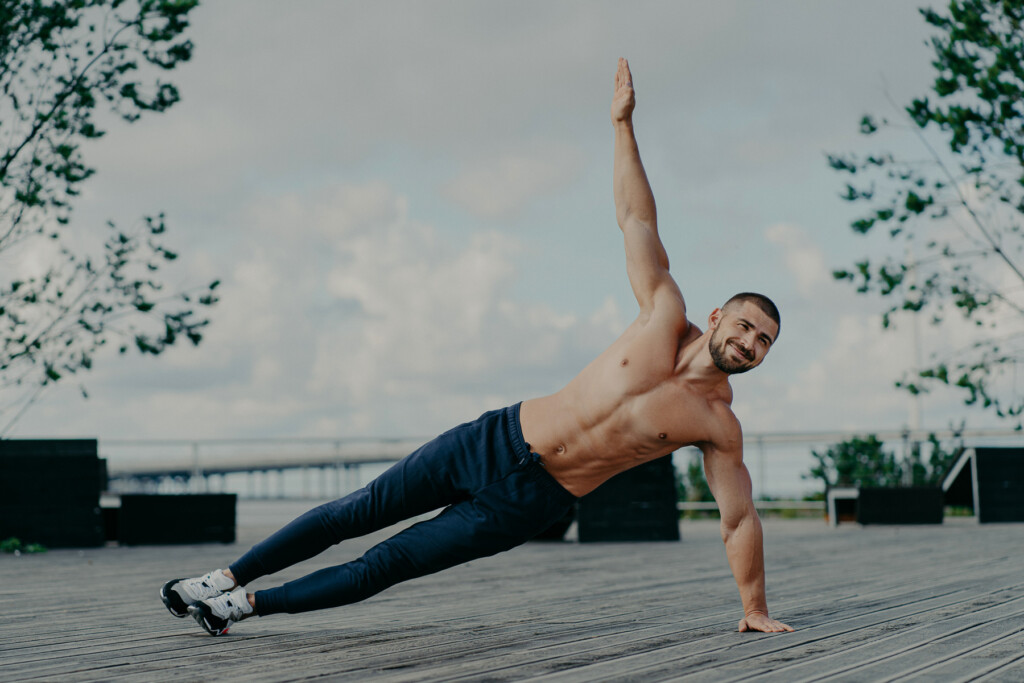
column 729, row 354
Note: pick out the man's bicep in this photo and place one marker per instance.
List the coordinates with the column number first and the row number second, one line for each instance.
column 730, row 484
column 646, row 262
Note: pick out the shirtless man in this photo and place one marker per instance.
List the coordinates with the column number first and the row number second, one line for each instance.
column 512, row 473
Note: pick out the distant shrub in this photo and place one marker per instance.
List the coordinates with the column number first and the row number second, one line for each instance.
column 863, row 462
column 14, row 545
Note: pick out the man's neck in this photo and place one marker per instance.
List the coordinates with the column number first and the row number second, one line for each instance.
column 696, row 367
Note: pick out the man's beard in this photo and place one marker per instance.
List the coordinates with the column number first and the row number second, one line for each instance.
column 723, row 360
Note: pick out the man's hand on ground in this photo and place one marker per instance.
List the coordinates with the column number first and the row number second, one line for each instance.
column 624, row 100
column 762, row 622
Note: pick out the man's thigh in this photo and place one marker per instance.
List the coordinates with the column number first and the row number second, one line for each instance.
column 448, row 469
column 462, row 532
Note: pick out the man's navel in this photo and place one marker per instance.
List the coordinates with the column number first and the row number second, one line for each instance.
column 625, row 362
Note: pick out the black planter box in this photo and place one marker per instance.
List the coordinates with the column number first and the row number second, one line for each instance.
column 150, row 519
column 636, row 505
column 43, row 447
column 1000, row 484
column 54, row 526
column 899, row 505
column 57, row 479
column 50, row 492
column 990, row 480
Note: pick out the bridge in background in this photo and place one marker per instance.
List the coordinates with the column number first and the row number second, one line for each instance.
column 331, row 467
column 266, row 468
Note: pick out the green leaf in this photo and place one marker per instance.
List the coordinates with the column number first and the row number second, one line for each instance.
column 868, row 125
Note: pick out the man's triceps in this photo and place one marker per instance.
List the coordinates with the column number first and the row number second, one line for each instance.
column 647, row 266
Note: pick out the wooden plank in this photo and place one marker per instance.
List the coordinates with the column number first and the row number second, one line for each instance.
column 1002, row 656
column 869, row 603
column 899, row 646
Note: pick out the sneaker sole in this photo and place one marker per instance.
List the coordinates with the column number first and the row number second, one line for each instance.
column 165, row 595
column 200, row 613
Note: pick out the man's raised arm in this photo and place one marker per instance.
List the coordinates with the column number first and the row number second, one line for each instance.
column 646, row 260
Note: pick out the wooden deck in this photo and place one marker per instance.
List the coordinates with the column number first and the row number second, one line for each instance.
column 943, row 603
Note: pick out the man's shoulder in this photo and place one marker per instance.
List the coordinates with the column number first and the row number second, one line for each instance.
column 725, row 432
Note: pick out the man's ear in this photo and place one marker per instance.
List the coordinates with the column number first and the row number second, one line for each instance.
column 714, row 318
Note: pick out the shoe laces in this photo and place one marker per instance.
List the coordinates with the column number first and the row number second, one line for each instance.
column 200, row 588
column 230, row 606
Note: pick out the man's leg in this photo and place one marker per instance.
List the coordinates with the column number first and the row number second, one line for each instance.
column 500, row 517
column 431, row 477
column 426, row 480
column 439, row 473
column 500, row 496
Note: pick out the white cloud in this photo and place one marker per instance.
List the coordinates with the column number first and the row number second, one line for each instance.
column 803, row 259
column 504, row 185
column 354, row 319
column 432, row 324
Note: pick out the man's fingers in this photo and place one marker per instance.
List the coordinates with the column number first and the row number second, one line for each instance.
column 765, row 625
column 779, row 627
column 622, row 76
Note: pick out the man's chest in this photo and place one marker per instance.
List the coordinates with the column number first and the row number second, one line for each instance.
column 671, row 414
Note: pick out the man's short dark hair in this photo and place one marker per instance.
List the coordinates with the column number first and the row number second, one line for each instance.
column 766, row 305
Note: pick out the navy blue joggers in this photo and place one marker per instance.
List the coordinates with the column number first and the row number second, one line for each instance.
column 494, row 491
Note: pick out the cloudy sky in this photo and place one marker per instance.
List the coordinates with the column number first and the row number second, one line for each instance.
column 410, row 207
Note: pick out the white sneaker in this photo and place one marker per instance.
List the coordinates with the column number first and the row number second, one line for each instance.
column 215, row 615
column 178, row 594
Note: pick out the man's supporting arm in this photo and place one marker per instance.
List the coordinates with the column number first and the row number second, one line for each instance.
column 646, row 260
column 741, row 531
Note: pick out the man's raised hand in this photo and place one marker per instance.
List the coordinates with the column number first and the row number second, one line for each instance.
column 624, row 100
column 755, row 621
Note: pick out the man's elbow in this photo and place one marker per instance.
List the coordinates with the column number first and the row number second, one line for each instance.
column 627, row 220
column 727, row 530
column 622, row 216
column 732, row 524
